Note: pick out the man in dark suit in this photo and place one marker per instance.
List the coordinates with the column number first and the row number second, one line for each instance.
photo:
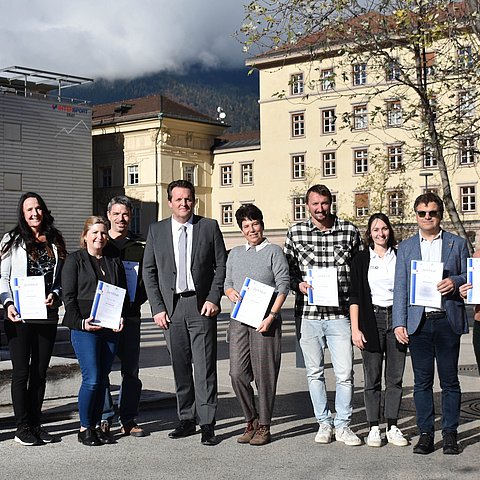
column 433, row 334
column 184, row 272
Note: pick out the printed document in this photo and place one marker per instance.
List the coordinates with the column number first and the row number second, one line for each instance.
column 107, row 305
column 325, row 286
column 424, row 279
column 131, row 271
column 29, row 297
column 473, row 277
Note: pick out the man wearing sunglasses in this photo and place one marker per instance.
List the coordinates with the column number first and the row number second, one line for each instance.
column 433, row 334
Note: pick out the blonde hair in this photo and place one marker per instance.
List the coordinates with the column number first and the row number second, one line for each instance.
column 89, row 222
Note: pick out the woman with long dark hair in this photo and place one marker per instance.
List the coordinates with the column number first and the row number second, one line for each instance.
column 371, row 300
column 33, row 248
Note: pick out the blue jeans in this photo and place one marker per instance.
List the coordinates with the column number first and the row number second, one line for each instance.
column 336, row 334
column 435, row 340
column 131, row 388
column 95, row 352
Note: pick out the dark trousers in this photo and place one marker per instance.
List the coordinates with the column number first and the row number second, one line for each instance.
column 31, row 347
column 476, row 341
column 131, row 388
column 255, row 357
column 193, row 338
column 394, row 354
column 95, row 352
column 433, row 341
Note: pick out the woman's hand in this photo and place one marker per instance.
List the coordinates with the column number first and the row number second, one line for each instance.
column 265, row 325
column 89, row 327
column 13, row 315
column 120, row 328
column 49, row 300
column 233, row 295
column 358, row 339
column 464, row 289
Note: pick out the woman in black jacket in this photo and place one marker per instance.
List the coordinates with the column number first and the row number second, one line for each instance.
column 94, row 346
column 371, row 299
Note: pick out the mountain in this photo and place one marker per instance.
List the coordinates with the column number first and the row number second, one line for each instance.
column 235, row 91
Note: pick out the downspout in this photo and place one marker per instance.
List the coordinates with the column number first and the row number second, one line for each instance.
column 159, row 131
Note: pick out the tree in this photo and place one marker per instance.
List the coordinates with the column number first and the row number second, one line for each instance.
column 427, row 47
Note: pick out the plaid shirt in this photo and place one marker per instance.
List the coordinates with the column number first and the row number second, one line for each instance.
column 308, row 247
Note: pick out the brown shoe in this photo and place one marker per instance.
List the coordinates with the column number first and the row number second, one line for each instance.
column 262, row 435
column 131, row 428
column 249, row 432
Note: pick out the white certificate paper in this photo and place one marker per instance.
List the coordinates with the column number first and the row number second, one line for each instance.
column 424, row 278
column 131, row 271
column 325, row 286
column 252, row 308
column 107, row 305
column 29, row 297
column 473, row 277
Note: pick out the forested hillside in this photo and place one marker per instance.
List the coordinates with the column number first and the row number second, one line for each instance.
column 204, row 90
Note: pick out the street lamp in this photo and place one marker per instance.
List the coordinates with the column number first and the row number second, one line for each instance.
column 426, row 175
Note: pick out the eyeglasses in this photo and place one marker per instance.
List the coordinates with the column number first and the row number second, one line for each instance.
column 432, row 213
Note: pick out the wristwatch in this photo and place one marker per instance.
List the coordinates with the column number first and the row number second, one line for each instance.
column 275, row 315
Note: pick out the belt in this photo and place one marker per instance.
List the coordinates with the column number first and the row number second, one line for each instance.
column 434, row 315
column 378, row 309
column 190, row 293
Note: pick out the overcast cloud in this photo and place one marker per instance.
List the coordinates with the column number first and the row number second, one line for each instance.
column 119, row 38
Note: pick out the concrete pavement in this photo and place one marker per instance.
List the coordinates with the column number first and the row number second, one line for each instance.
column 292, row 454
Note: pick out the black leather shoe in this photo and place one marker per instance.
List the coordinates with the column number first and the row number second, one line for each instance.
column 104, row 437
column 89, row 438
column 424, row 445
column 185, row 429
column 208, row 435
column 450, row 445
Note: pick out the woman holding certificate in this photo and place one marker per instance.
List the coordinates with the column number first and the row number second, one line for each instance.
column 94, row 346
column 255, row 352
column 371, row 300
column 31, row 253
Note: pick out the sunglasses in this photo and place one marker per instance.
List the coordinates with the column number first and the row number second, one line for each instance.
column 432, row 213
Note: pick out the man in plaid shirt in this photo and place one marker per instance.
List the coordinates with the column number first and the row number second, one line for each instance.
column 325, row 241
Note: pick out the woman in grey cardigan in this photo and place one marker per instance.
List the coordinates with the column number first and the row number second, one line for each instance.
column 255, row 353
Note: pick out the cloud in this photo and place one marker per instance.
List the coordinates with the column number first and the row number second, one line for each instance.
column 119, row 38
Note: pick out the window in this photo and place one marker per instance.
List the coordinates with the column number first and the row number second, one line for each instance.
column 135, row 221
column 227, row 214
column 189, row 172
column 466, row 104
column 360, row 160
column 132, row 171
column 395, row 203
column 359, row 74
column 394, row 71
column 395, row 157
column 429, row 158
column 394, row 113
column 298, row 166
column 328, row 120
column 334, row 205
column 105, row 177
column 360, row 117
column 296, row 84
column 465, row 58
column 298, row 124
column 226, row 175
column 361, row 204
column 429, row 63
column 467, row 151
column 329, row 164
column 247, row 173
column 327, row 79
column 299, row 209
column 468, row 198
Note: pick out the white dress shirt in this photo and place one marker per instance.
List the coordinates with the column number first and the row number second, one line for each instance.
column 381, row 274
column 176, row 230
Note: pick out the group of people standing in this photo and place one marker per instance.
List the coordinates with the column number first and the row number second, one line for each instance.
column 184, row 270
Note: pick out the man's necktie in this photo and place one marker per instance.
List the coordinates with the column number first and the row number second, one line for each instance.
column 182, row 259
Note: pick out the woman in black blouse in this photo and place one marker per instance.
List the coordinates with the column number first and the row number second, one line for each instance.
column 94, row 346
column 33, row 248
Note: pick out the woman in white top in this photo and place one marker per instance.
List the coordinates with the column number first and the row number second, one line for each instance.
column 371, row 299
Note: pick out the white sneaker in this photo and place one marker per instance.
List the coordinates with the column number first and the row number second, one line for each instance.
column 346, row 436
column 374, row 438
column 395, row 437
column 325, row 432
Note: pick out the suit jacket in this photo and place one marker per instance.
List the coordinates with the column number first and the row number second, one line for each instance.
column 207, row 264
column 79, row 284
column 454, row 258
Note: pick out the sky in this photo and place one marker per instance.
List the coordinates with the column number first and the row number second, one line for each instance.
column 119, row 38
